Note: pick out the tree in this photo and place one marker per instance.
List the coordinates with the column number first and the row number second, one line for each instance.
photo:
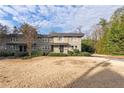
column 112, row 38
column 116, row 32
column 102, row 22
column 101, row 46
column 15, row 30
column 3, row 29
column 3, row 32
column 29, row 34
column 99, row 36
column 78, row 29
column 87, row 45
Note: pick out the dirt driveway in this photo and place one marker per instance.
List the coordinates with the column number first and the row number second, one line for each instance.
column 61, row 72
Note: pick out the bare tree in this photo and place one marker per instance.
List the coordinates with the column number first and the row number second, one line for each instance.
column 3, row 32
column 15, row 30
column 78, row 29
column 3, row 29
column 96, row 35
column 29, row 33
column 97, row 32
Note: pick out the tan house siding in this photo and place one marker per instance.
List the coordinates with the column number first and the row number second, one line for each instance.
column 74, row 42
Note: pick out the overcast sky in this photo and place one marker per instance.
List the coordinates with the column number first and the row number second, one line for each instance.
column 55, row 18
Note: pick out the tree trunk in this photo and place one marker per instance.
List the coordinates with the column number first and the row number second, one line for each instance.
column 29, row 46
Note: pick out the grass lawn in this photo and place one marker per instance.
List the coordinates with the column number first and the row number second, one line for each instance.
column 117, row 54
column 61, row 72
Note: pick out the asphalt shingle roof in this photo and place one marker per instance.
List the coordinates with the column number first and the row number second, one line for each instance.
column 67, row 34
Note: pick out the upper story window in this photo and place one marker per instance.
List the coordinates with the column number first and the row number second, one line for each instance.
column 70, row 39
column 60, row 38
column 72, row 47
column 46, row 39
column 75, row 47
column 13, row 39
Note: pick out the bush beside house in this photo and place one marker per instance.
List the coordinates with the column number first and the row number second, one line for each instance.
column 37, row 53
column 76, row 52
column 6, row 53
column 57, row 54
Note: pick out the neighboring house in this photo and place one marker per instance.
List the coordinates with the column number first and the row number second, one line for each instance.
column 54, row 42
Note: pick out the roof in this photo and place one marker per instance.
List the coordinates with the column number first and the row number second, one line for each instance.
column 52, row 35
column 19, row 35
column 67, row 34
column 18, row 43
column 43, row 35
column 59, row 44
column 13, row 35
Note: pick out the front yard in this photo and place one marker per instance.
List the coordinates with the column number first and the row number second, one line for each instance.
column 61, row 72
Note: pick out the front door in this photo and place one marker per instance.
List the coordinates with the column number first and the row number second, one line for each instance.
column 25, row 48
column 61, row 48
column 52, row 48
column 20, row 48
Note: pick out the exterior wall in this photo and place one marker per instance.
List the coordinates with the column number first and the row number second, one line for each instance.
column 3, row 44
column 56, row 49
column 15, row 39
column 74, row 42
column 60, row 39
column 44, row 43
column 65, row 49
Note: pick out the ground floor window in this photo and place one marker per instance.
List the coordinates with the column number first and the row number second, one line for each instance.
column 22, row 48
column 61, row 47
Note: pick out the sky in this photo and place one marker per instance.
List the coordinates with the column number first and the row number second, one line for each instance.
column 58, row 18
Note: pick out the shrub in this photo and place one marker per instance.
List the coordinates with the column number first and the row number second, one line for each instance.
column 26, row 57
column 37, row 53
column 87, row 46
column 57, row 54
column 74, row 54
column 46, row 53
column 6, row 53
column 118, row 53
column 76, row 51
column 85, row 54
column 70, row 53
column 21, row 54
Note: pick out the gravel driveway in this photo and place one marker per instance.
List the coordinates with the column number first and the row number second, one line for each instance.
column 61, row 72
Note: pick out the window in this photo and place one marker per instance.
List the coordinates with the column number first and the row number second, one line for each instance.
column 75, row 47
column 71, row 39
column 14, row 47
column 13, row 39
column 60, row 38
column 45, row 40
column 72, row 47
column 45, row 47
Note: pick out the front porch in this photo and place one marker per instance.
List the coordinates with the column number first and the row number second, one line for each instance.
column 60, row 47
column 20, row 47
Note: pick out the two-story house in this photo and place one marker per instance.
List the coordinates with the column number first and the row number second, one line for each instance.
column 62, row 42
column 53, row 42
